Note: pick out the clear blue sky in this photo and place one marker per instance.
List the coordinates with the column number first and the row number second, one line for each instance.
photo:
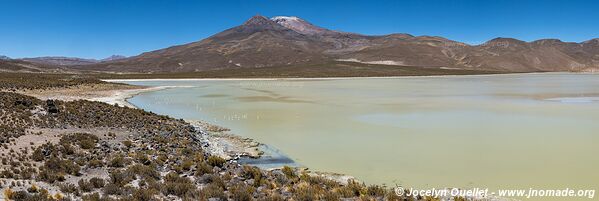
column 100, row 28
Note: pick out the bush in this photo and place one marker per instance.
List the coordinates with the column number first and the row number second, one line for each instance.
column 250, row 172
column 178, row 189
column 50, row 176
column 203, row 168
column 85, row 186
column 84, row 140
column 95, row 163
column 288, row 171
column 213, row 191
column 91, row 197
column 186, row 165
column 142, row 158
column 112, row 189
column 144, row 171
column 62, row 166
column 128, row 143
column 97, row 182
column 374, row 190
column 44, row 151
column 144, row 194
column 176, row 185
column 120, row 178
column 33, row 189
column 216, row 161
column 241, row 192
column 117, row 161
column 69, row 188
column 305, row 193
column 87, row 144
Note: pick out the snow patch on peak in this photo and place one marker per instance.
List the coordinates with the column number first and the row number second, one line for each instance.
column 281, row 18
column 299, row 25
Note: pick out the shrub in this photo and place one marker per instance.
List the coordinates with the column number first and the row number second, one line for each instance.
column 97, row 182
column 241, row 192
column 142, row 158
column 128, row 143
column 305, row 193
column 216, row 161
column 250, row 172
column 144, row 194
column 42, row 152
column 203, row 168
column 84, row 140
column 374, row 190
column 144, row 171
column 8, row 193
column 95, row 163
column 331, row 196
column 111, row 189
column 91, row 197
column 69, row 188
column 87, row 144
column 120, row 178
column 176, row 185
column 117, row 161
column 288, row 171
column 213, row 191
column 62, row 166
column 178, row 189
column 85, row 186
column 50, row 176
column 33, row 189
column 186, row 165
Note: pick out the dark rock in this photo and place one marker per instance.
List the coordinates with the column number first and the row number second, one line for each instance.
column 52, row 109
column 26, row 103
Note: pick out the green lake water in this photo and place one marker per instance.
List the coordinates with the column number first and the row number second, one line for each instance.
column 493, row 131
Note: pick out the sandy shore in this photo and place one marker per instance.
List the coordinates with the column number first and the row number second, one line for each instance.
column 111, row 93
column 220, row 142
column 120, row 96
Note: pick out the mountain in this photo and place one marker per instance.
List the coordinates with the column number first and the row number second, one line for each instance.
column 113, row 58
column 259, row 42
column 2, row 57
column 70, row 61
column 291, row 43
column 17, row 65
column 301, row 26
column 60, row 61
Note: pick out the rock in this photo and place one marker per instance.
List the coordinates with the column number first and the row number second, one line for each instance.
column 26, row 103
column 51, row 106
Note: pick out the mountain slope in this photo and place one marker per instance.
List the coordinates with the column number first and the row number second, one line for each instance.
column 259, row 42
column 290, row 41
column 69, row 61
column 16, row 65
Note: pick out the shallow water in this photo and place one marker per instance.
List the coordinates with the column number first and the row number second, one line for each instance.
column 495, row 131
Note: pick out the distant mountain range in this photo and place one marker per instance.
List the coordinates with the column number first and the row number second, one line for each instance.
column 261, row 42
column 70, row 61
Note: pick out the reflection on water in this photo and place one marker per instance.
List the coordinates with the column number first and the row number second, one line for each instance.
column 499, row 131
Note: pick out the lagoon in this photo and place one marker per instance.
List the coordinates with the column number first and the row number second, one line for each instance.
column 489, row 131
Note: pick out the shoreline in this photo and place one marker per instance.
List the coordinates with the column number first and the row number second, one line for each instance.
column 220, row 143
column 110, row 95
column 120, row 96
column 332, row 78
column 246, row 151
column 229, row 146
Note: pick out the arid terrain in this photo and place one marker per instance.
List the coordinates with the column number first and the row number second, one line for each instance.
column 87, row 150
column 292, row 47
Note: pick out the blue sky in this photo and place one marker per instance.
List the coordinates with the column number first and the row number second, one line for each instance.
column 98, row 29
